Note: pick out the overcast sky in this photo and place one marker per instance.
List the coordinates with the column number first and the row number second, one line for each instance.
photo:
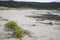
column 39, row 0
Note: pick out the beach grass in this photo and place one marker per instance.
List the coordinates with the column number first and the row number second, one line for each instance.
column 18, row 32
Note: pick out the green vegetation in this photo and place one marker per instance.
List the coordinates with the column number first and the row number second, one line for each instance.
column 35, row 5
column 18, row 32
column 11, row 24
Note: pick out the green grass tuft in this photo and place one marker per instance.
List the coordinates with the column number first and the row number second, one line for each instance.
column 11, row 25
column 18, row 32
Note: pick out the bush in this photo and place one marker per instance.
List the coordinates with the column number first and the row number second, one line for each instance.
column 18, row 32
column 11, row 25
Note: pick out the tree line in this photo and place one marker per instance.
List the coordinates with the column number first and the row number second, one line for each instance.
column 36, row 5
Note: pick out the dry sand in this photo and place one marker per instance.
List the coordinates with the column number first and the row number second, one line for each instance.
column 40, row 31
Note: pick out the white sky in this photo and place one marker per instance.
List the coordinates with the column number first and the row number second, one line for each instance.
column 39, row 0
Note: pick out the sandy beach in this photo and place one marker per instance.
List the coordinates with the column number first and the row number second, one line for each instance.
column 39, row 31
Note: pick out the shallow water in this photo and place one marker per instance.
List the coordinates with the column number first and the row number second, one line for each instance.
column 38, row 30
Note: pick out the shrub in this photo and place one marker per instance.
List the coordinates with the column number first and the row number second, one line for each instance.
column 11, row 25
column 18, row 32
